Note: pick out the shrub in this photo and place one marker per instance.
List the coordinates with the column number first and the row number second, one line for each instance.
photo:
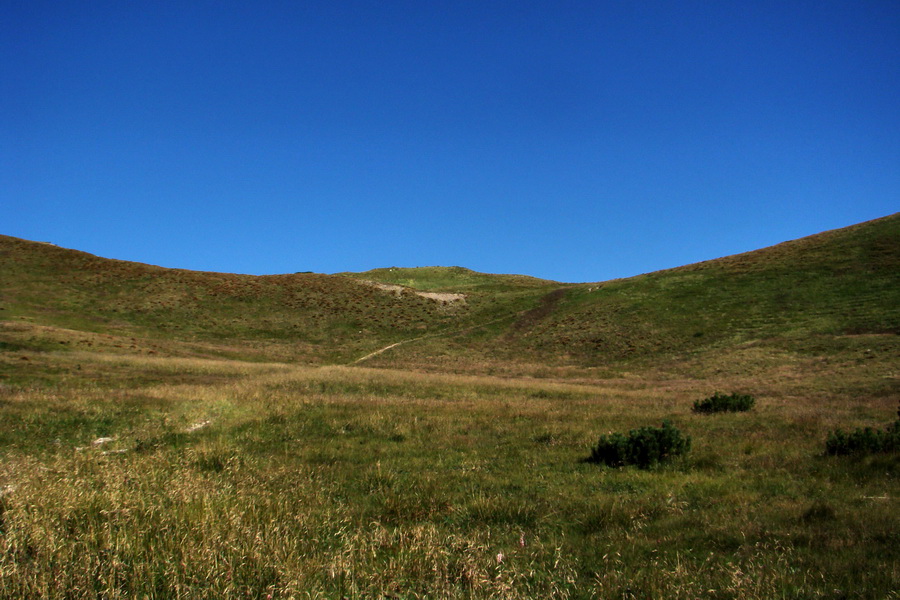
column 643, row 447
column 722, row 403
column 865, row 440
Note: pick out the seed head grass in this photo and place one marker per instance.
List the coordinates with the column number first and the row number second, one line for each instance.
column 362, row 483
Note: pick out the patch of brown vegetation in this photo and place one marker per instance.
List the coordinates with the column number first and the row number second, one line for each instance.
column 540, row 312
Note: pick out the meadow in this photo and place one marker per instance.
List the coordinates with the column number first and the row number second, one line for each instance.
column 135, row 476
column 176, row 434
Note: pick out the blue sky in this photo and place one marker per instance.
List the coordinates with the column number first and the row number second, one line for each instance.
column 576, row 141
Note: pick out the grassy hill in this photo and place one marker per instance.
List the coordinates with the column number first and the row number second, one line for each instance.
column 52, row 286
column 168, row 433
column 304, row 316
column 838, row 283
column 832, row 285
column 829, row 290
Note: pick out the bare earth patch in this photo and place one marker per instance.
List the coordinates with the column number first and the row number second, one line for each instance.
column 398, row 290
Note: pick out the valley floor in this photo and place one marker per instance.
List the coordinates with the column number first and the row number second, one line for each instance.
column 141, row 476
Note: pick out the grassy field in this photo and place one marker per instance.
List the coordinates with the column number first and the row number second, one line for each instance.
column 226, row 479
column 173, row 434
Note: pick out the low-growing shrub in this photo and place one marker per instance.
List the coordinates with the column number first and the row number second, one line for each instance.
column 722, row 403
column 865, row 440
column 643, row 447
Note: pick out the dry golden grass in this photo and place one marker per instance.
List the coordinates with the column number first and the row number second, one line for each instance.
column 230, row 480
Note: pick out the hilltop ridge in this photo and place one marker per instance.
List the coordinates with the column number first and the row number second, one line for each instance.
column 454, row 279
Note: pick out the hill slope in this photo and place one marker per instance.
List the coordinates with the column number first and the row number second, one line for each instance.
column 841, row 282
column 824, row 287
column 308, row 316
column 838, row 283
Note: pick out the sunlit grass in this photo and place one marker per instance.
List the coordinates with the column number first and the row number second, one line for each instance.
column 227, row 479
column 171, row 434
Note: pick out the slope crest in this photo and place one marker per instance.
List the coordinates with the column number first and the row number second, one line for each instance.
column 841, row 282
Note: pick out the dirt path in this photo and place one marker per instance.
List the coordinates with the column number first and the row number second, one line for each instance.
column 439, row 334
column 425, row 337
column 385, row 349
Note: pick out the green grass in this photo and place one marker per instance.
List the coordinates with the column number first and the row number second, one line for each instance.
column 315, row 318
column 338, row 482
column 839, row 283
column 243, row 462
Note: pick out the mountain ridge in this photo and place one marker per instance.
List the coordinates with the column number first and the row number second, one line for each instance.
column 833, row 283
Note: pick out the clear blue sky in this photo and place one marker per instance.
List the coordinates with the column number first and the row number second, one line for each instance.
column 576, row 141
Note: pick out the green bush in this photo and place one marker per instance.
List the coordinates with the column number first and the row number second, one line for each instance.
column 722, row 403
column 865, row 441
column 643, row 447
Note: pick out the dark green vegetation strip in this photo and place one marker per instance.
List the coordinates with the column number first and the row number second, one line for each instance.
column 865, row 440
